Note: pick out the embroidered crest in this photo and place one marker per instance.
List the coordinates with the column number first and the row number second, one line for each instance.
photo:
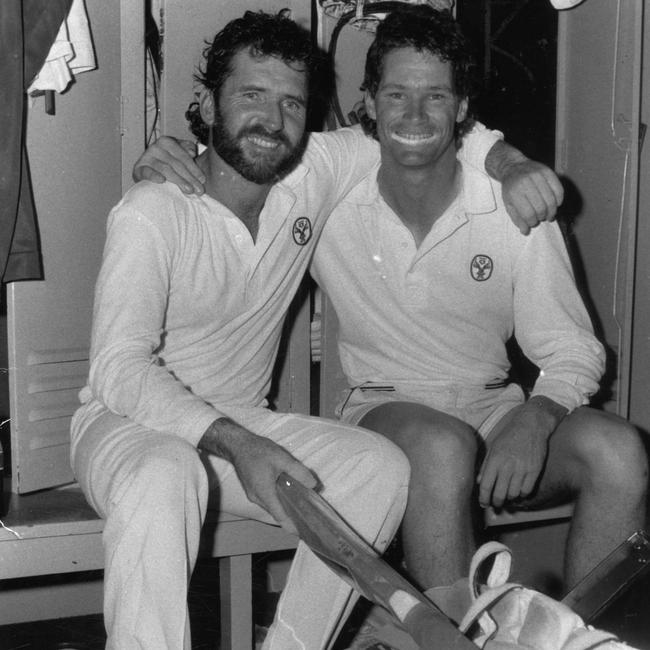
column 301, row 231
column 481, row 267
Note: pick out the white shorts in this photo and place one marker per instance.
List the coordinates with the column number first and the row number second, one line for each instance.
column 480, row 407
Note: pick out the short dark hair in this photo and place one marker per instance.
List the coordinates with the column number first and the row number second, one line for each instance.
column 424, row 29
column 262, row 35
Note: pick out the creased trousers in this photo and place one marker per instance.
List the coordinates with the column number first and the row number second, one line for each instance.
column 152, row 489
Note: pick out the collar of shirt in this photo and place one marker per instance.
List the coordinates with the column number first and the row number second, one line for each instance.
column 478, row 191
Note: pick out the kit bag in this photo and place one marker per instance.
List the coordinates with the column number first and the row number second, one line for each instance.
column 506, row 616
column 494, row 614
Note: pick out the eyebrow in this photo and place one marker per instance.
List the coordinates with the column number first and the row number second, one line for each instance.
column 402, row 86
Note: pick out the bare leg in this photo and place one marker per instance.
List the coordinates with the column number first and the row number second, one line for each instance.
column 437, row 530
column 597, row 460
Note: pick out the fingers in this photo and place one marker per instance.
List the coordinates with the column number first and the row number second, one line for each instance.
column 273, row 506
column 171, row 160
column 265, row 495
column 553, row 185
column 545, row 193
column 494, row 486
column 522, row 213
column 148, row 174
column 532, row 195
column 528, row 485
column 502, row 485
column 301, row 473
column 267, row 498
column 189, row 147
column 534, row 201
column 486, row 480
column 176, row 160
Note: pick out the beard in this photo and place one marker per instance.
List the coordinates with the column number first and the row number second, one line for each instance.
column 261, row 169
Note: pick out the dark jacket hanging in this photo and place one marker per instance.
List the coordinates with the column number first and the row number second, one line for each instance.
column 27, row 30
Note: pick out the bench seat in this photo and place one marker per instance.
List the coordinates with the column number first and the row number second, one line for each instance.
column 56, row 531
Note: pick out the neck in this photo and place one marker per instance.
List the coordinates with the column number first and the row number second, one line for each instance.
column 419, row 195
column 242, row 197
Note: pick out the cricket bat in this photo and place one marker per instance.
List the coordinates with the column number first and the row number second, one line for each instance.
column 336, row 543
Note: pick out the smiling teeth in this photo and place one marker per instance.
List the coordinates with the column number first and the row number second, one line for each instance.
column 412, row 138
column 261, row 142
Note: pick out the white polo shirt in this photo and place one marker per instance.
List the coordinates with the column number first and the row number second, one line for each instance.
column 189, row 310
column 423, row 318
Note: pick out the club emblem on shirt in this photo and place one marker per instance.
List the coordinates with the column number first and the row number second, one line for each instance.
column 301, row 231
column 481, row 267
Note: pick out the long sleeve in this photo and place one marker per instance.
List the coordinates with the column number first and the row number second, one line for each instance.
column 127, row 374
column 551, row 323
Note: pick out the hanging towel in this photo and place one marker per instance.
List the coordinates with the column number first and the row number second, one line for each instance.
column 71, row 53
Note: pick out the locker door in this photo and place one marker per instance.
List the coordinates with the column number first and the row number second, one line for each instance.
column 640, row 379
column 77, row 171
column 599, row 84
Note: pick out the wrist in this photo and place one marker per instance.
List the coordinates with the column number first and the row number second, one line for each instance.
column 548, row 407
column 222, row 438
column 501, row 159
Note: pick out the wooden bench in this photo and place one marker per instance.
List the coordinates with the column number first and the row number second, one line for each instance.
column 57, row 532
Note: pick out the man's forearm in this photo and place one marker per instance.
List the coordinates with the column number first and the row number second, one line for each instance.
column 222, row 438
column 501, row 158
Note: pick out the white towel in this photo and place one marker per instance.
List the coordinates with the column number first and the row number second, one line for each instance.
column 71, row 53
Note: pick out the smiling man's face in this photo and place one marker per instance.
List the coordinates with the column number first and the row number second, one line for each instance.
column 259, row 125
column 416, row 108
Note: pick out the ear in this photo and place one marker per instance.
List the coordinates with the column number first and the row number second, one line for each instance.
column 462, row 110
column 206, row 106
column 370, row 106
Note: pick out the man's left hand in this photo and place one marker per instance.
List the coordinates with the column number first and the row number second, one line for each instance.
column 517, row 451
column 531, row 193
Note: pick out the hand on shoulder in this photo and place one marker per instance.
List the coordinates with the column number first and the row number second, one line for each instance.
column 169, row 159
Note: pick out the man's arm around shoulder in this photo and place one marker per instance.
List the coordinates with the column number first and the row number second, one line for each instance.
column 531, row 191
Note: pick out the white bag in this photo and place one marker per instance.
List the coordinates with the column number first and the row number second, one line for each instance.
column 497, row 615
column 506, row 616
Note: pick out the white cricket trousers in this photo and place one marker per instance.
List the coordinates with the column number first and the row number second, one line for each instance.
column 152, row 490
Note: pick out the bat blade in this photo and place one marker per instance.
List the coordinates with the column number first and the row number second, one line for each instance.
column 332, row 539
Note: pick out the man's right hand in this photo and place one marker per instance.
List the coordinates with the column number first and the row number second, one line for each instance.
column 517, row 448
column 169, row 159
column 258, row 462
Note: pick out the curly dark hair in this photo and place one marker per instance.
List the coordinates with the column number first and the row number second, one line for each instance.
column 262, row 34
column 422, row 28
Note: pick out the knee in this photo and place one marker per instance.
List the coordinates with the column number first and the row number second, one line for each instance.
column 368, row 465
column 172, row 466
column 384, row 459
column 614, row 454
column 441, row 451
